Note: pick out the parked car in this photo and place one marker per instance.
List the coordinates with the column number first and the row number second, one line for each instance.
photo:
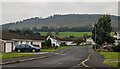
column 26, row 48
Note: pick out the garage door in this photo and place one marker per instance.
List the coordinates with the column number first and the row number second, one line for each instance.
column 8, row 47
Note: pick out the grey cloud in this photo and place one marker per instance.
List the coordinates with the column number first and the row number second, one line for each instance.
column 13, row 11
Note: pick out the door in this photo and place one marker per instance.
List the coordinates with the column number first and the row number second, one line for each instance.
column 28, row 48
column 8, row 47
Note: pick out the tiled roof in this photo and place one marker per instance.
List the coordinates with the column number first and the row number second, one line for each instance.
column 9, row 36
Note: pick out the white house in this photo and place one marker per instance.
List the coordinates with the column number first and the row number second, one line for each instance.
column 68, row 41
column 54, row 41
column 90, row 41
column 10, row 40
column 117, row 36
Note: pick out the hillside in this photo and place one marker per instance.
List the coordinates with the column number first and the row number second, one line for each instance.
column 56, row 21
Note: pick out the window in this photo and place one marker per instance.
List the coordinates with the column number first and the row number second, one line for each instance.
column 23, row 46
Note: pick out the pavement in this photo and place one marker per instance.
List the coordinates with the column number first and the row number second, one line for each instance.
column 70, row 58
column 95, row 60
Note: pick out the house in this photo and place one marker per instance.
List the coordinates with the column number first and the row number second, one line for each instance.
column 54, row 40
column 68, row 41
column 6, row 44
column 117, row 38
column 10, row 40
column 37, row 40
column 89, row 40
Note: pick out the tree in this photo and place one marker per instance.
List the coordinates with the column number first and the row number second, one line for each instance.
column 27, row 31
column 56, row 32
column 102, row 29
column 34, row 29
column 48, row 43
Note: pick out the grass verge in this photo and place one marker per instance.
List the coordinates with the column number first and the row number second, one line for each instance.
column 53, row 49
column 111, row 58
column 13, row 55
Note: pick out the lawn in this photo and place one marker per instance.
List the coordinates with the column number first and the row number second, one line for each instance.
column 111, row 58
column 13, row 55
column 53, row 49
column 65, row 34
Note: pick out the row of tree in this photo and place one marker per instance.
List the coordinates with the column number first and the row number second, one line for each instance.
column 63, row 29
column 60, row 29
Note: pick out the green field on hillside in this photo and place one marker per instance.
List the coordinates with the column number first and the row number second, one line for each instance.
column 65, row 34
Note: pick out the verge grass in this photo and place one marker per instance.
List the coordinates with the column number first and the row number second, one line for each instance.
column 13, row 55
column 111, row 58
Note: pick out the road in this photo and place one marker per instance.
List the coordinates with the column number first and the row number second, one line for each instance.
column 70, row 58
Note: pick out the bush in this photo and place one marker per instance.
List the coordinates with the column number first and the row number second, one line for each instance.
column 44, row 45
column 116, row 48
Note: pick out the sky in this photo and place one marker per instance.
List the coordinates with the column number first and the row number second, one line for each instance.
column 17, row 10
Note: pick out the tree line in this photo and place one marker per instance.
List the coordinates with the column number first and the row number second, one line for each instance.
column 62, row 29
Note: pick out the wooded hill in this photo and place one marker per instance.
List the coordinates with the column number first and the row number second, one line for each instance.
column 57, row 21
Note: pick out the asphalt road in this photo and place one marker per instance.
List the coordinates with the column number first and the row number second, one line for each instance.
column 69, row 58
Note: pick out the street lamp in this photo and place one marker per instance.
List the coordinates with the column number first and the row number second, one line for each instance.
column 95, row 37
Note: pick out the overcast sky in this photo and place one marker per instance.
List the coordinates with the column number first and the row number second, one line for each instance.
column 16, row 11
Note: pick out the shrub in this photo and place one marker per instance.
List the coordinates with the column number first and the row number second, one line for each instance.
column 116, row 48
column 44, row 45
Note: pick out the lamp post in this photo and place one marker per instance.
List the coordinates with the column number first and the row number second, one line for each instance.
column 94, row 26
column 95, row 37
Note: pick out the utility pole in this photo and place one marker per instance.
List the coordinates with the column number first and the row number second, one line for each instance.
column 95, row 36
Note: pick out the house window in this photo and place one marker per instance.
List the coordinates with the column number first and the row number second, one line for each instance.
column 27, row 42
column 31, row 43
column 16, row 43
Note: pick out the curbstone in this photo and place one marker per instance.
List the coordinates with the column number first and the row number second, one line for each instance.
column 30, row 59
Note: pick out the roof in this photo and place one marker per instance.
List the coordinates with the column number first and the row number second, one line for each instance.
column 69, row 39
column 37, row 37
column 9, row 36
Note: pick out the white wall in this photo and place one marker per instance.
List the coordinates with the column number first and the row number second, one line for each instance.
column 37, row 43
column 69, row 42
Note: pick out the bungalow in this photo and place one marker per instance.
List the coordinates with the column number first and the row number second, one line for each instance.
column 10, row 40
column 6, row 44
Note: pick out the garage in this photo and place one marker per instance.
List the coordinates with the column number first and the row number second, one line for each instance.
column 8, row 46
